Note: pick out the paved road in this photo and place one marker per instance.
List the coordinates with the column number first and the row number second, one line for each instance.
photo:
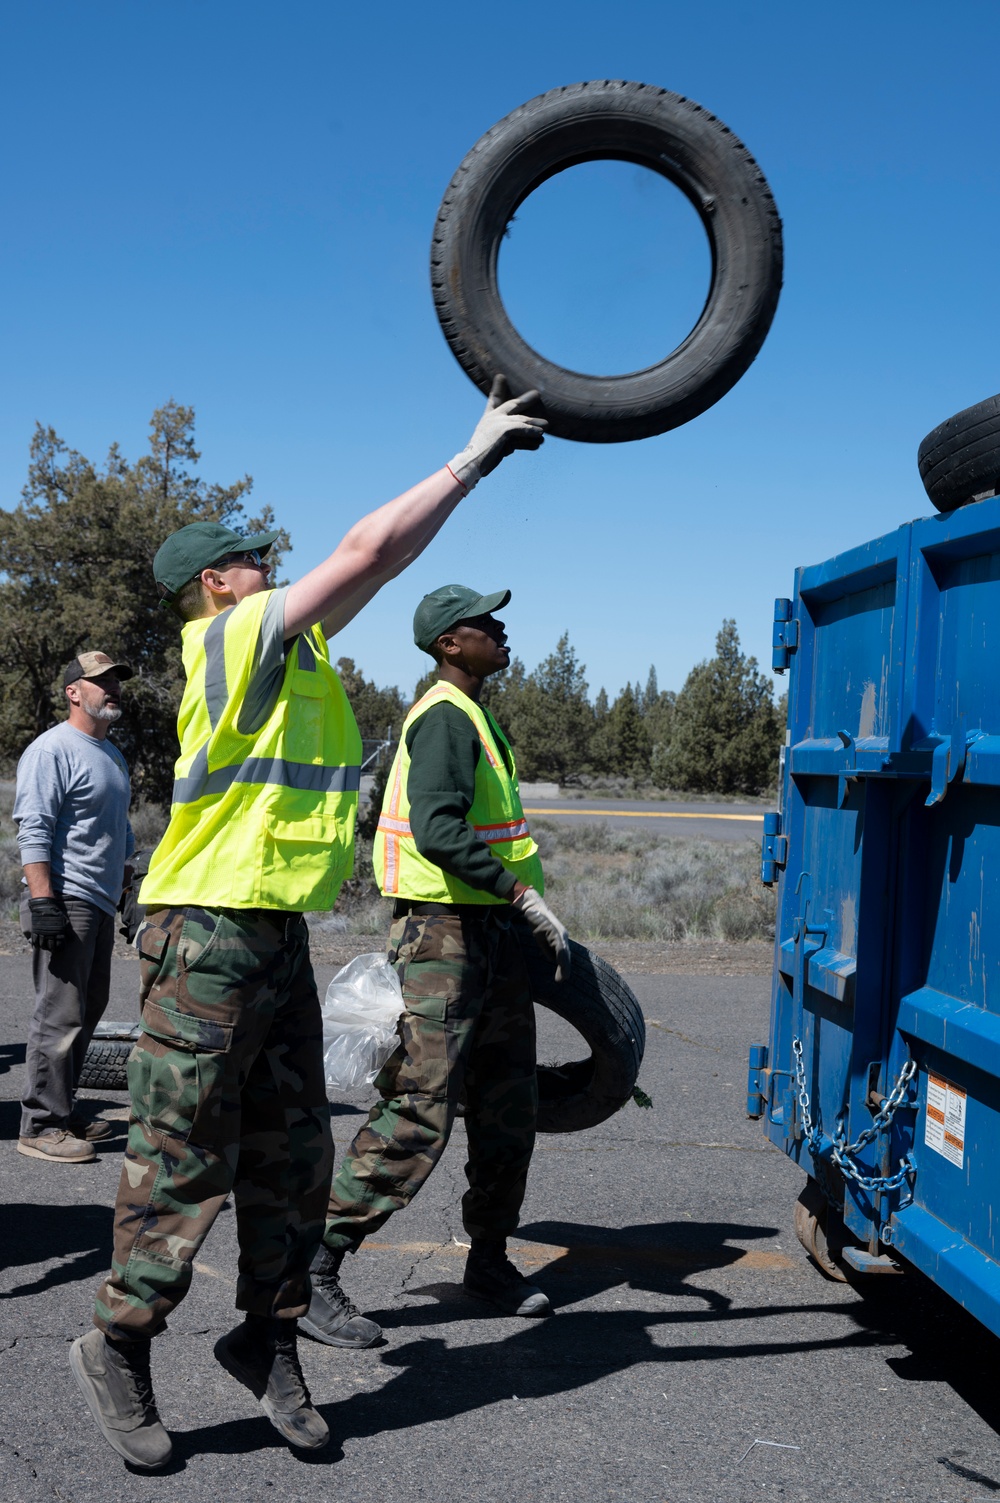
column 706, row 821
column 689, row 1325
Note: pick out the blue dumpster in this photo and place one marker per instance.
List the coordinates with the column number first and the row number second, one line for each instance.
column 881, row 1076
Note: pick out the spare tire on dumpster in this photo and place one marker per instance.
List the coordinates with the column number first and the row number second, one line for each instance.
column 610, row 119
column 599, row 1005
column 107, row 1056
column 959, row 460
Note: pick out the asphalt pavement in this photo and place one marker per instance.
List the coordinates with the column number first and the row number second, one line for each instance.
column 695, row 1353
column 706, row 821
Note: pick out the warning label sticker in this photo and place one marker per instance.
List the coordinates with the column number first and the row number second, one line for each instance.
column 945, row 1124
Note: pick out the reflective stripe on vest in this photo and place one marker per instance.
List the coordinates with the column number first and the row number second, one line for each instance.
column 496, row 817
column 515, row 829
column 302, row 775
column 266, row 784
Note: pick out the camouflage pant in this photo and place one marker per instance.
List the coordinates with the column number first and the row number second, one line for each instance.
column 468, row 1026
column 227, row 1095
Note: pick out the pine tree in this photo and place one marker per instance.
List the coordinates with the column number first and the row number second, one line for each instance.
column 376, row 710
column 548, row 718
column 629, row 736
column 602, row 750
column 725, row 731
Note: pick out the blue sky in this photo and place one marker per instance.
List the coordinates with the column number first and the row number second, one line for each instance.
column 231, row 204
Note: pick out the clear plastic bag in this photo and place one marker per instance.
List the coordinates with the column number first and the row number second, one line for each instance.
column 360, row 1011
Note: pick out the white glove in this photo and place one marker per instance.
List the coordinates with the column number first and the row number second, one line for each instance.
column 550, row 934
column 501, row 429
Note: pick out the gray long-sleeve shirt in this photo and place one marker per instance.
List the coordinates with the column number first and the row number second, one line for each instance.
column 71, row 810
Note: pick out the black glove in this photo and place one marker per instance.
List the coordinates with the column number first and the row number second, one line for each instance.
column 131, row 910
column 49, row 923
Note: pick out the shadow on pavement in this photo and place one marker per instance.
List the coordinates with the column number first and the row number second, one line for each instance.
column 239, row 1438
column 81, row 1234
column 946, row 1343
column 11, row 1055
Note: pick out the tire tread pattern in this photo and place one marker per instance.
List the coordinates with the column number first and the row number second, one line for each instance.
column 740, row 218
column 959, row 460
column 605, row 1010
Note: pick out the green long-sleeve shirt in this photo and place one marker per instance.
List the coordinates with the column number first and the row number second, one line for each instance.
column 444, row 750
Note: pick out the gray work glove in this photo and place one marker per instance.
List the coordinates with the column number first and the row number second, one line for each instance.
column 49, row 923
column 502, row 428
column 550, row 935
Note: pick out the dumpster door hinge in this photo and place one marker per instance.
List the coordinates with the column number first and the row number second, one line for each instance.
column 784, row 636
column 773, row 849
column 758, row 1083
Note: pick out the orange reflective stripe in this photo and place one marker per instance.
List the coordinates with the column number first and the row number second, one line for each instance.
column 514, row 829
column 392, row 833
column 395, row 826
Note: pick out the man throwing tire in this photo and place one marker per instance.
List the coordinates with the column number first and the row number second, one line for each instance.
column 227, row 1077
column 454, row 851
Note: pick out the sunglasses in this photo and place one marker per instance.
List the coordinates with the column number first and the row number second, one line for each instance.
column 252, row 559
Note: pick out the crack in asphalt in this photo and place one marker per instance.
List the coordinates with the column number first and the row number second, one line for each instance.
column 443, row 1169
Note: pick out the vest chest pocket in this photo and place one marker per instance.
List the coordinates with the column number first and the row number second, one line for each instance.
column 304, row 726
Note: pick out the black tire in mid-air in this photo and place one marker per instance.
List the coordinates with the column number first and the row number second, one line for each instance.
column 599, row 1005
column 620, row 121
column 104, row 1064
column 959, row 460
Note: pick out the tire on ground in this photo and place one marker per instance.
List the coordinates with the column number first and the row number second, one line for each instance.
column 629, row 122
column 599, row 1005
column 104, row 1064
column 959, row 460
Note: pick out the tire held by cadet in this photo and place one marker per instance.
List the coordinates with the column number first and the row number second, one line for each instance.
column 610, row 119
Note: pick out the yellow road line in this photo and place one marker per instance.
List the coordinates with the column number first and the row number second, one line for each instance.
column 643, row 814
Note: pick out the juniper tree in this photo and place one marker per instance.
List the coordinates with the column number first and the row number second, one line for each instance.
column 77, row 553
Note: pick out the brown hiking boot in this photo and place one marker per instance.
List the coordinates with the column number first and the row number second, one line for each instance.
column 115, row 1381
column 92, row 1130
column 58, row 1145
column 262, row 1355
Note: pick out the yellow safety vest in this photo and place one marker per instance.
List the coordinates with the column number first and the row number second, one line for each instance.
column 496, row 816
column 266, row 786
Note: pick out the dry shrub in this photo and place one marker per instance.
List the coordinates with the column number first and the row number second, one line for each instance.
column 610, row 884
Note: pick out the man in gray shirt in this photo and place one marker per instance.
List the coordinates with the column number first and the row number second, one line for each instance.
column 71, row 810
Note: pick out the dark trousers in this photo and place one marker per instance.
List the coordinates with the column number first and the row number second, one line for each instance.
column 468, row 1028
column 71, row 993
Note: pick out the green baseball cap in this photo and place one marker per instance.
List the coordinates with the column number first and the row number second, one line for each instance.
column 449, row 605
column 197, row 546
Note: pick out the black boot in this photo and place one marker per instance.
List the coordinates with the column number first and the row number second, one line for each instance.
column 261, row 1354
column 331, row 1317
column 491, row 1276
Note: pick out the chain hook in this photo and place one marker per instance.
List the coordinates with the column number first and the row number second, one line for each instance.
column 841, row 1152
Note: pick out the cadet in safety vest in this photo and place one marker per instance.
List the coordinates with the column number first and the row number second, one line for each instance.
column 454, row 850
column 226, row 1080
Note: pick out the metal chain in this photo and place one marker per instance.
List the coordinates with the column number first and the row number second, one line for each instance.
column 842, row 1150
